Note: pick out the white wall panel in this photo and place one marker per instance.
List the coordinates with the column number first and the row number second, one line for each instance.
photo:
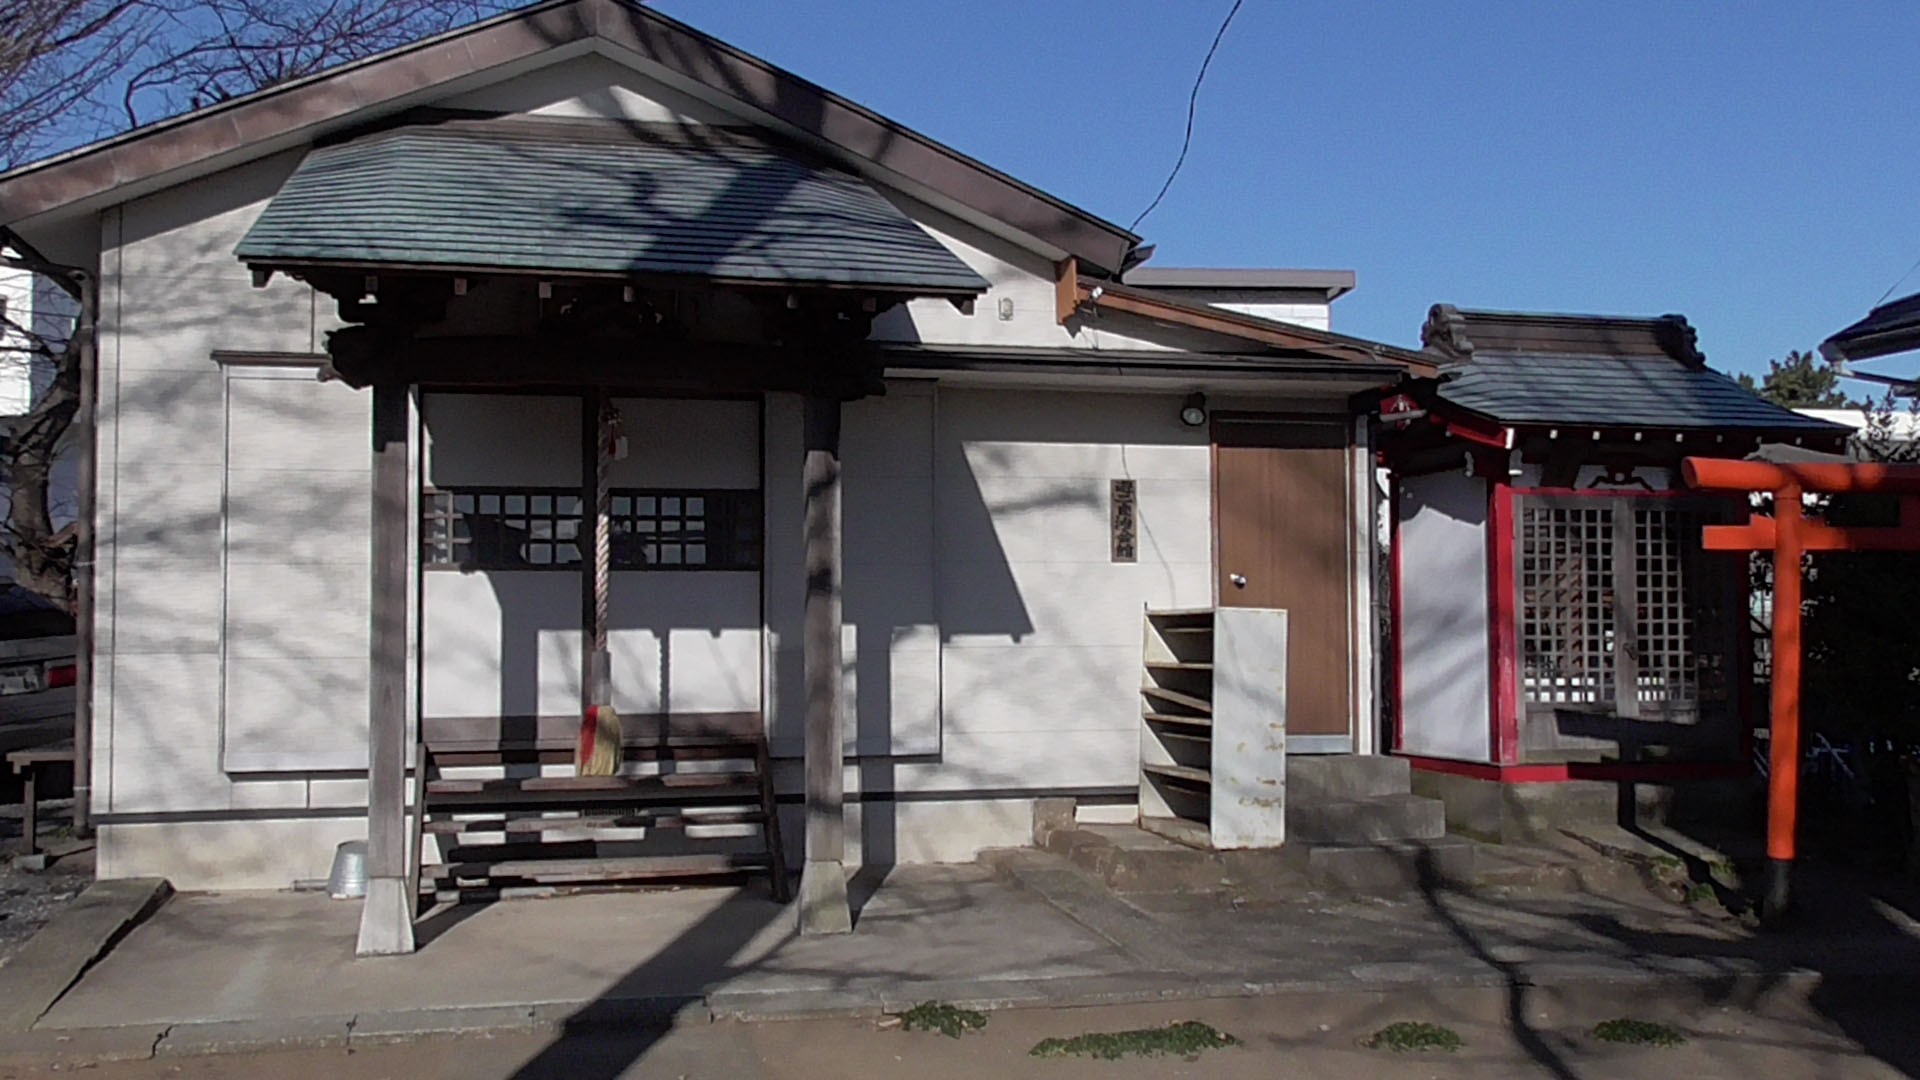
column 500, row 644
column 501, row 440
column 1041, row 661
column 1443, row 617
column 295, row 572
column 685, row 642
column 164, row 751
column 295, row 713
column 508, row 642
column 689, row 443
column 170, row 606
column 591, row 87
column 890, row 647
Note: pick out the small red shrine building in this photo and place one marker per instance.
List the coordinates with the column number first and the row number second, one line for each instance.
column 1557, row 629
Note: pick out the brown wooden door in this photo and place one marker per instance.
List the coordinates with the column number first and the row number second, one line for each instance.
column 1284, row 528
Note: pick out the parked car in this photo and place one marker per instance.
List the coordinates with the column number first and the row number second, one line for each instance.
column 37, row 666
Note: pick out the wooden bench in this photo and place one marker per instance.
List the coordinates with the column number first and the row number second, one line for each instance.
column 548, row 829
column 27, row 763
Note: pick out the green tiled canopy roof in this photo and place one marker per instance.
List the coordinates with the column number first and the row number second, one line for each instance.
column 1542, row 369
column 596, row 198
column 1613, row 391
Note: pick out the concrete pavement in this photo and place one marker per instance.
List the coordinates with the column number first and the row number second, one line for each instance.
column 232, row 972
column 1316, row 1037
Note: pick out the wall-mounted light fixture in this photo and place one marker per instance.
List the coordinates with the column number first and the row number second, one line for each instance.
column 1193, row 411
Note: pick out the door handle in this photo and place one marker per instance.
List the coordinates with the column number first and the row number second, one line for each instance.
column 1239, row 580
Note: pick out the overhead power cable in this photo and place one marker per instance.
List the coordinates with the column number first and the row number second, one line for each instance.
column 1193, row 103
column 1896, row 283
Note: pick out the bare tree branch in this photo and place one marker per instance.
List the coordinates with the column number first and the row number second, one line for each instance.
column 75, row 70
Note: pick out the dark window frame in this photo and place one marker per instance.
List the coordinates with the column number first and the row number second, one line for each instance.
column 672, row 530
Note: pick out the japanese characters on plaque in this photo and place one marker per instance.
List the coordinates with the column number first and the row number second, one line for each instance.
column 1125, row 513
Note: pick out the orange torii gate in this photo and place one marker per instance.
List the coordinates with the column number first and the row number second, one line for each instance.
column 1789, row 535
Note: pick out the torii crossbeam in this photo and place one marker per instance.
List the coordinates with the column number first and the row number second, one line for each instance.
column 1789, row 535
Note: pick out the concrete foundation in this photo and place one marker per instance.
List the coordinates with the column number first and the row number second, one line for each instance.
column 1523, row 812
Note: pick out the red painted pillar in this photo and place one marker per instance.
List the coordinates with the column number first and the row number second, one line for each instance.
column 1783, row 794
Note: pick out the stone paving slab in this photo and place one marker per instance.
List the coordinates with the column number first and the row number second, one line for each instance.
column 36, row 975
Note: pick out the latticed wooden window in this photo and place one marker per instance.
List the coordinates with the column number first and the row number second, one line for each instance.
column 1566, row 602
column 1618, row 608
column 500, row 529
column 1681, row 642
column 473, row 528
column 686, row 530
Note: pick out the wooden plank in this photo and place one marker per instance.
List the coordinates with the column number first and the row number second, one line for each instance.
column 552, row 755
column 1203, row 741
column 1176, row 697
column 1179, row 830
column 663, row 729
column 674, row 818
column 1186, row 721
column 543, row 785
column 631, row 868
column 1179, row 772
column 39, row 755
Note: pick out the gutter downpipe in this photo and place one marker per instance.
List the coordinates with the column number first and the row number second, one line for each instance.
column 83, row 623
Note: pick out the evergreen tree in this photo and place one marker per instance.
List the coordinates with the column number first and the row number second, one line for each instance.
column 1802, row 381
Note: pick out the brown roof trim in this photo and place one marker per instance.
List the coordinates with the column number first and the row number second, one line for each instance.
column 1073, row 292
column 334, row 96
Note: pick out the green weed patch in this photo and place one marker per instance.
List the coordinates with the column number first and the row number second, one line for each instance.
column 1184, row 1039
column 1637, row 1033
column 949, row 1020
column 1413, row 1035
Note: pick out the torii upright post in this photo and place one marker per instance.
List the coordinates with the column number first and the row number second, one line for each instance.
column 1789, row 535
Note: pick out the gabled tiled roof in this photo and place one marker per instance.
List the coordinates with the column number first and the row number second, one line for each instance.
column 321, row 105
column 598, row 198
column 1594, row 371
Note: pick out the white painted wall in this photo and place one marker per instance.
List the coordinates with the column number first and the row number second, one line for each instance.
column 508, row 642
column 1318, row 316
column 1443, row 617
column 1040, row 628
column 294, row 572
column 591, row 87
column 171, row 294
column 890, row 645
column 687, row 641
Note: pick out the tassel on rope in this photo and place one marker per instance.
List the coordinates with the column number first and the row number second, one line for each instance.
column 598, row 753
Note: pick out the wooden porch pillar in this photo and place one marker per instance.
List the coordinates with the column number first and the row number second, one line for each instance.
column 823, row 880
column 386, row 922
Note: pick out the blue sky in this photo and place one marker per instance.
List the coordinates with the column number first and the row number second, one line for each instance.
column 1754, row 166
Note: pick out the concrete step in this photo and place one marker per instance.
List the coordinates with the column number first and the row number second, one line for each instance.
column 1128, row 859
column 1391, row 866
column 1364, row 821
column 1345, row 777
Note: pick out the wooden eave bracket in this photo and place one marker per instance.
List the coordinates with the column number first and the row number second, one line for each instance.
column 1072, row 294
column 1066, row 289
